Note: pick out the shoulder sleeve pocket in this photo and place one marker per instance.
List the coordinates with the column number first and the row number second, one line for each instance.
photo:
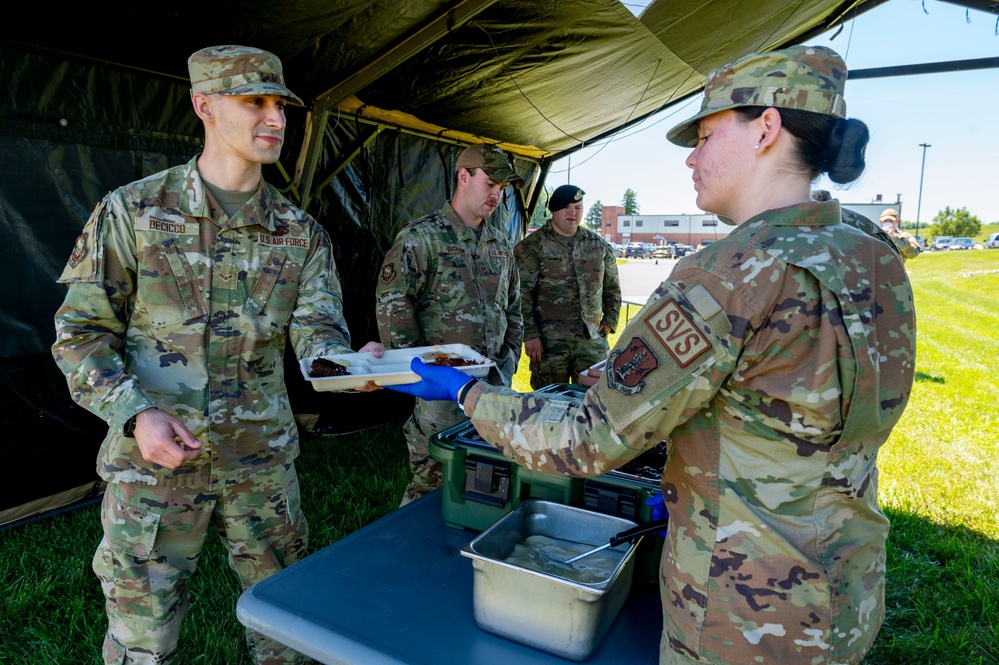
column 662, row 359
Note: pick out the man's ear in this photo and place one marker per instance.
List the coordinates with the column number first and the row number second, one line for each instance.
column 202, row 106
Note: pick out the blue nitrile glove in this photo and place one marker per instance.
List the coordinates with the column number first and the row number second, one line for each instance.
column 659, row 511
column 439, row 383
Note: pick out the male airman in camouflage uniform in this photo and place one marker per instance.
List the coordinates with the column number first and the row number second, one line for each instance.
column 907, row 244
column 570, row 292
column 450, row 278
column 777, row 361
column 182, row 290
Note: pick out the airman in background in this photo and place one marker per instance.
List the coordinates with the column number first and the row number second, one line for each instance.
column 450, row 278
column 570, row 292
column 906, row 243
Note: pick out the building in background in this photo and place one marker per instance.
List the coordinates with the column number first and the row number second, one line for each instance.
column 693, row 230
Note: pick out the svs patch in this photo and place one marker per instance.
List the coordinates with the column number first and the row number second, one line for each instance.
column 629, row 366
column 677, row 332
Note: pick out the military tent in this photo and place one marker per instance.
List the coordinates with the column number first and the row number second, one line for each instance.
column 95, row 96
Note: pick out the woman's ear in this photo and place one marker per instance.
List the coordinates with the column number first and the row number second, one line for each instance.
column 769, row 126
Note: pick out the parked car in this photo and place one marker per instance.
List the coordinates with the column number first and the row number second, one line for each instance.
column 683, row 250
column 637, row 250
column 962, row 243
column 992, row 242
column 663, row 252
column 617, row 249
column 941, row 242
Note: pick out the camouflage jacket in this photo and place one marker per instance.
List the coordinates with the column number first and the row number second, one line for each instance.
column 173, row 305
column 440, row 285
column 906, row 243
column 567, row 292
column 777, row 361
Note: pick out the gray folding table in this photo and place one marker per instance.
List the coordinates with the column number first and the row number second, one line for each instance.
column 398, row 591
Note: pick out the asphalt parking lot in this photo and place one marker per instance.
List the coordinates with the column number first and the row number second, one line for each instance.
column 640, row 277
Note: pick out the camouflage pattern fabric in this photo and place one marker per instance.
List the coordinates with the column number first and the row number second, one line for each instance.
column 564, row 360
column 776, row 361
column 805, row 78
column 238, row 70
column 152, row 539
column 171, row 304
column 567, row 292
column 906, row 243
column 427, row 419
column 439, row 284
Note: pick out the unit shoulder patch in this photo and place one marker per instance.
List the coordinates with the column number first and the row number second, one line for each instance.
column 80, row 250
column 628, row 367
column 388, row 272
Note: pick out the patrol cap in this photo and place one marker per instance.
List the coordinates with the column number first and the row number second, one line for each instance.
column 238, row 70
column 890, row 213
column 490, row 159
column 564, row 196
column 806, row 78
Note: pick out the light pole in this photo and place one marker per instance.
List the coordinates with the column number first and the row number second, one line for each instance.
column 919, row 202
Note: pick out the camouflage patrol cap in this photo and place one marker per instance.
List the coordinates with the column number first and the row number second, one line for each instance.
column 806, row 78
column 490, row 159
column 889, row 213
column 564, row 196
column 238, row 70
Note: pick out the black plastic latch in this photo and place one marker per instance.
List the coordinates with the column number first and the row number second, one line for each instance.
column 487, row 481
column 610, row 500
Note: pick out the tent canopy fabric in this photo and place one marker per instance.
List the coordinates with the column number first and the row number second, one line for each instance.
column 95, row 97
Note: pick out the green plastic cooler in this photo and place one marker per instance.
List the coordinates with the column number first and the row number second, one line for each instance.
column 480, row 485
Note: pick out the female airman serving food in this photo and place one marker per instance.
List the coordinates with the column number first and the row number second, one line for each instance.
column 776, row 361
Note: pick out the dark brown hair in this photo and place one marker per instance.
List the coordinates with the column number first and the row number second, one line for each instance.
column 824, row 144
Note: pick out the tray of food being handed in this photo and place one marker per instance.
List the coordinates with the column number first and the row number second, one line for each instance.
column 353, row 370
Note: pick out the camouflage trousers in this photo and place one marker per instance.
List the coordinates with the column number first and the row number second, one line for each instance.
column 152, row 542
column 563, row 360
column 428, row 419
column 667, row 656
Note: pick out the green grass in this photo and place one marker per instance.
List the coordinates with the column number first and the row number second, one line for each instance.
column 939, row 485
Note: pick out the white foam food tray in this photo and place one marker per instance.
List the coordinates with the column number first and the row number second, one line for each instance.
column 392, row 368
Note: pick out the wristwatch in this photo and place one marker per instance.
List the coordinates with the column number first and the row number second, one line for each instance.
column 463, row 393
column 128, row 429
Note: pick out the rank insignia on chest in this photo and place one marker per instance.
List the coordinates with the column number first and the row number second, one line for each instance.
column 388, row 272
column 79, row 250
column 677, row 332
column 629, row 367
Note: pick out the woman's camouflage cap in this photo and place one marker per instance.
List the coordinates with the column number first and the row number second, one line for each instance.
column 238, row 70
column 806, row 78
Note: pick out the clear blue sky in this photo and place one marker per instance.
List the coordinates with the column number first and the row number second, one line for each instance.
column 956, row 113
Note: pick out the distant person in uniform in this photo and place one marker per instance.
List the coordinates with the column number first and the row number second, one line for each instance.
column 183, row 289
column 907, row 244
column 776, row 360
column 570, row 294
column 856, row 220
column 450, row 278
